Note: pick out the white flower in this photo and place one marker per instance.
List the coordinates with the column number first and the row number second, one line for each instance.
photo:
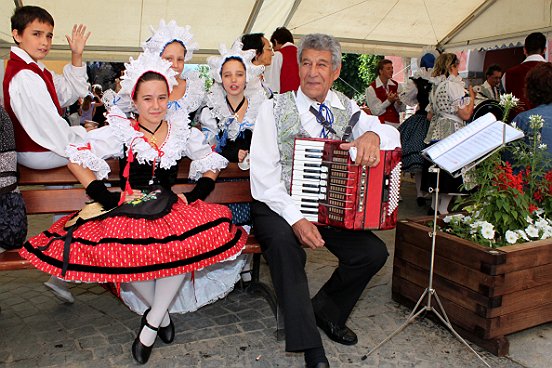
column 454, row 218
column 532, row 231
column 523, row 235
column 543, row 146
column 529, row 220
column 511, row 237
column 508, row 100
column 536, row 122
column 487, row 231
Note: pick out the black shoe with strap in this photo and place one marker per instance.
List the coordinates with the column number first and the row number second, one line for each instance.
column 141, row 352
column 340, row 334
column 167, row 333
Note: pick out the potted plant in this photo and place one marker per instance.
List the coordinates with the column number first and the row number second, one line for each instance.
column 493, row 261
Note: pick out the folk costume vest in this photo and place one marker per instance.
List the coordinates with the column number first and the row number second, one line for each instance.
column 23, row 142
column 288, row 126
column 390, row 115
column 289, row 74
column 515, row 84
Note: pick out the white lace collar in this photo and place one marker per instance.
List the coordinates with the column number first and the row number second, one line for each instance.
column 194, row 95
column 216, row 102
column 172, row 149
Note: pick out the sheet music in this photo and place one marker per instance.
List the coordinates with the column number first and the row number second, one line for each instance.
column 471, row 142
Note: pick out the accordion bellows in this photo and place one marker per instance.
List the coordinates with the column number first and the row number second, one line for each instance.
column 331, row 190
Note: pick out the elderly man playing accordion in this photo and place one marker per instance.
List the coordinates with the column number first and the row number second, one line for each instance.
column 313, row 111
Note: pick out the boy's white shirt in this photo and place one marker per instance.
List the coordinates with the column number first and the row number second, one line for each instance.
column 35, row 110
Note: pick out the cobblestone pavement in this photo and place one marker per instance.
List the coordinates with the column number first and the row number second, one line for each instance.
column 37, row 330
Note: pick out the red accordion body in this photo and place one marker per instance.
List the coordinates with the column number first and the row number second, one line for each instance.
column 331, row 190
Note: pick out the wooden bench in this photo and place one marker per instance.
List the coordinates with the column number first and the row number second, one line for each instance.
column 232, row 187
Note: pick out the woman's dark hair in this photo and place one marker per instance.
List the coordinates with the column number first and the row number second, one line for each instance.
column 146, row 77
column 253, row 41
column 538, row 84
column 25, row 15
column 282, row 35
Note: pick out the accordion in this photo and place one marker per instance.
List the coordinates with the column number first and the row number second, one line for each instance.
column 331, row 190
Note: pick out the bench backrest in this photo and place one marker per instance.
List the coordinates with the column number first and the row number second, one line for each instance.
column 42, row 194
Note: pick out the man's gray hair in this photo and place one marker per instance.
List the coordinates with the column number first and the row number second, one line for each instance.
column 321, row 42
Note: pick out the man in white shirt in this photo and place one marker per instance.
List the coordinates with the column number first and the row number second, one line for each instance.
column 489, row 90
column 281, row 228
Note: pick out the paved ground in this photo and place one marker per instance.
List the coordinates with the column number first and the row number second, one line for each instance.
column 36, row 330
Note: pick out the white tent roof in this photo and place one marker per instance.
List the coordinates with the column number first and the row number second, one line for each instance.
column 389, row 27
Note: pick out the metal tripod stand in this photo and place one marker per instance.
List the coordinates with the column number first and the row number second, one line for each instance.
column 429, row 292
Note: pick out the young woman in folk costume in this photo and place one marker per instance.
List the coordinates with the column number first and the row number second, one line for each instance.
column 176, row 44
column 232, row 103
column 152, row 242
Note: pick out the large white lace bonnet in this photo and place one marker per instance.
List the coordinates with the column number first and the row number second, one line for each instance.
column 216, row 62
column 134, row 69
column 166, row 34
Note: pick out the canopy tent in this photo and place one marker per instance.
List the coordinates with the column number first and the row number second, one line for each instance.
column 391, row 27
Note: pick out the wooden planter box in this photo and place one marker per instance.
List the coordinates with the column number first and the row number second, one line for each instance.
column 487, row 293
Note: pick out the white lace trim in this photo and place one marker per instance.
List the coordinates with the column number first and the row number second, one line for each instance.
column 216, row 101
column 85, row 158
column 172, row 148
column 211, row 162
column 194, row 95
column 423, row 73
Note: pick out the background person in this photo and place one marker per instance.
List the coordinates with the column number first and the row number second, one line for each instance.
column 283, row 74
column 383, row 95
column 450, row 108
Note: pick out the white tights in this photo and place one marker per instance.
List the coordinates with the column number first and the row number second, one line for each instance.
column 444, row 201
column 158, row 294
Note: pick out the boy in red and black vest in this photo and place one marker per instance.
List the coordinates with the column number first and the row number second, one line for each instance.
column 34, row 97
column 382, row 95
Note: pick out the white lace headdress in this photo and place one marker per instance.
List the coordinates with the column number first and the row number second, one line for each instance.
column 216, row 62
column 167, row 33
column 134, row 69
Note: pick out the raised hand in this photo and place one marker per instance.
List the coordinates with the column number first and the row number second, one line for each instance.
column 78, row 39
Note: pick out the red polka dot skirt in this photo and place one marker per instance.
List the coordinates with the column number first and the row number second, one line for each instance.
column 124, row 249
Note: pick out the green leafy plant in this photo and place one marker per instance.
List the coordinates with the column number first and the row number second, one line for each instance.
column 511, row 202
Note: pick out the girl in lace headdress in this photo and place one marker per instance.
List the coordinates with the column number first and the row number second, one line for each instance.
column 450, row 108
column 233, row 102
column 175, row 44
column 157, row 246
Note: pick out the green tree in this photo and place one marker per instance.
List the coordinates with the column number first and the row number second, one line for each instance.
column 204, row 74
column 357, row 72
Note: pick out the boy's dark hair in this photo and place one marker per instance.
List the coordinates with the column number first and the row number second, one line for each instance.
column 282, row 35
column 491, row 69
column 535, row 43
column 25, row 15
column 253, row 41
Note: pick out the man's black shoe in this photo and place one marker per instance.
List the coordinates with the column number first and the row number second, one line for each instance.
column 341, row 334
column 320, row 365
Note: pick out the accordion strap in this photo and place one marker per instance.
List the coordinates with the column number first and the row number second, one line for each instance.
column 352, row 122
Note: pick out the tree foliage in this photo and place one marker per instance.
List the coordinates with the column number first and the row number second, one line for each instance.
column 357, row 72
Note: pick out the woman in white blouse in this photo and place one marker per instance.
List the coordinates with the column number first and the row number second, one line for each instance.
column 450, row 108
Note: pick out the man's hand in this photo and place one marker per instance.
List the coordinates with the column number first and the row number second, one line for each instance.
column 368, row 149
column 308, row 234
column 392, row 97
